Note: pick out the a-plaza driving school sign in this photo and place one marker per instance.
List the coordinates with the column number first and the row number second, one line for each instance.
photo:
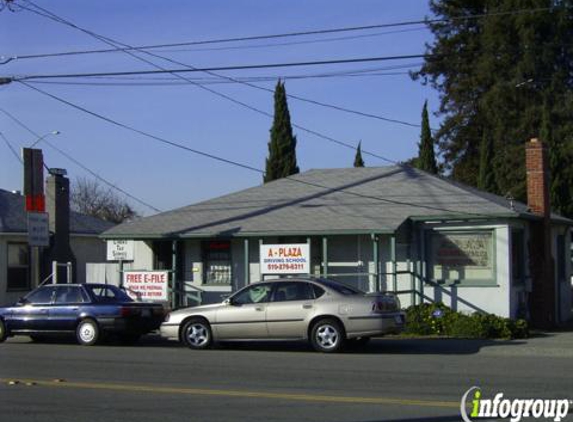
column 285, row 259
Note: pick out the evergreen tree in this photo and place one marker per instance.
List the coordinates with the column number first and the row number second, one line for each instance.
column 426, row 156
column 486, row 176
column 493, row 74
column 358, row 161
column 281, row 161
column 559, row 164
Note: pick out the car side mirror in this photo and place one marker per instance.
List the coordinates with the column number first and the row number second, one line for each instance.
column 230, row 301
column 22, row 301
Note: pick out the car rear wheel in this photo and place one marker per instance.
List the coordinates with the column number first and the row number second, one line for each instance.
column 3, row 331
column 87, row 332
column 327, row 336
column 196, row 334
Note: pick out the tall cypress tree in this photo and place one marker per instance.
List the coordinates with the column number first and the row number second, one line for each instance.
column 358, row 161
column 486, row 176
column 281, row 161
column 426, row 156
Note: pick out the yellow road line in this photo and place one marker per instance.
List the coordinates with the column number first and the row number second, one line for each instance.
column 235, row 393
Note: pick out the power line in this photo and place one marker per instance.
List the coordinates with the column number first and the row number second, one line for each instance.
column 69, row 157
column 113, row 43
column 173, row 82
column 140, row 132
column 190, row 69
column 286, row 44
column 275, row 36
column 11, row 147
column 159, row 81
column 237, row 164
column 213, row 41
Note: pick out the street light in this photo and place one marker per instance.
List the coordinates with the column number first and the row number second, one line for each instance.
column 54, row 132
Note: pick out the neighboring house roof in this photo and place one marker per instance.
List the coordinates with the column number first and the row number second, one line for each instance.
column 329, row 201
column 13, row 217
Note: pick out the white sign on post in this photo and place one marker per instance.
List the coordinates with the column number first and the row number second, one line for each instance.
column 147, row 285
column 285, row 259
column 120, row 250
column 38, row 229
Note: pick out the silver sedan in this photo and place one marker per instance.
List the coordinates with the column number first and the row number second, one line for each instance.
column 325, row 312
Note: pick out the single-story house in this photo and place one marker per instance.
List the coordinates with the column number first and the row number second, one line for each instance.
column 389, row 228
column 16, row 255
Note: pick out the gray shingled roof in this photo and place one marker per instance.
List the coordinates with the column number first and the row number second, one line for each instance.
column 13, row 217
column 357, row 200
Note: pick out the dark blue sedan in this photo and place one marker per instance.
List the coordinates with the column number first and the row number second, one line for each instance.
column 87, row 310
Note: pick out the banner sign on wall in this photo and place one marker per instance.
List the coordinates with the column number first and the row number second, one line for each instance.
column 285, row 259
column 146, row 285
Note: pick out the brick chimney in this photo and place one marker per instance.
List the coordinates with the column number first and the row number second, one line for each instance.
column 537, row 169
column 542, row 303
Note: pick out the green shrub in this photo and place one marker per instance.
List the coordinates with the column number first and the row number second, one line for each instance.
column 438, row 319
column 467, row 326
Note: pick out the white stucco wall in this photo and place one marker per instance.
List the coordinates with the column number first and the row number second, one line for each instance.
column 86, row 249
column 494, row 299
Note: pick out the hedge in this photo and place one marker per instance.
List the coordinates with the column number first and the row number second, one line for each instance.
column 438, row 319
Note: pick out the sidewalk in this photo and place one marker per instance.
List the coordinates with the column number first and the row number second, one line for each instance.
column 541, row 344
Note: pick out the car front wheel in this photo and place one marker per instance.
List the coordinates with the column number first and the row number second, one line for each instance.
column 87, row 332
column 327, row 335
column 196, row 334
column 3, row 331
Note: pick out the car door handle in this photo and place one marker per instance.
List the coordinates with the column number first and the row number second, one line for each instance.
column 259, row 308
column 307, row 306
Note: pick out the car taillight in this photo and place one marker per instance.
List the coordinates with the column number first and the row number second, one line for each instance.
column 386, row 303
column 126, row 311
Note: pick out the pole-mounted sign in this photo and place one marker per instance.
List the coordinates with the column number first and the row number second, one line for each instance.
column 38, row 229
column 34, row 180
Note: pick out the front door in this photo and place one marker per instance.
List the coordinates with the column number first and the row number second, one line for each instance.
column 290, row 309
column 245, row 315
column 34, row 312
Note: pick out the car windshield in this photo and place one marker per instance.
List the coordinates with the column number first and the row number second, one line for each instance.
column 108, row 294
column 339, row 287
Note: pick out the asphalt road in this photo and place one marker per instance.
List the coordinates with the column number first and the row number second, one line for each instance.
column 392, row 380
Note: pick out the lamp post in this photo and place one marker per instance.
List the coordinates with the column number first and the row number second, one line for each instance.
column 37, row 141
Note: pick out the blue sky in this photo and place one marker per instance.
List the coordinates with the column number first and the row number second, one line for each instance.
column 166, row 177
